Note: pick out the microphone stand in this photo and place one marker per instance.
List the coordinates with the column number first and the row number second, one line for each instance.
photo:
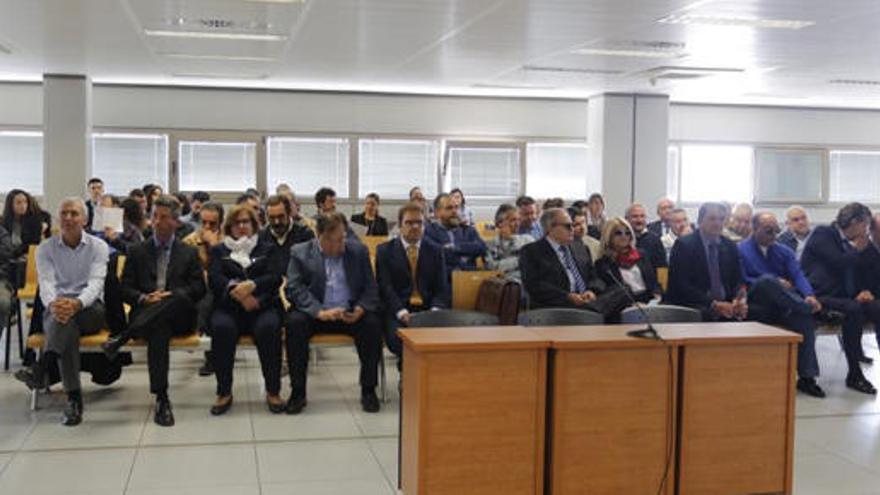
column 649, row 332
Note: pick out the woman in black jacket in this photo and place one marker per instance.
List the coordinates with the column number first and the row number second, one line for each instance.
column 622, row 263
column 370, row 218
column 245, row 285
column 22, row 221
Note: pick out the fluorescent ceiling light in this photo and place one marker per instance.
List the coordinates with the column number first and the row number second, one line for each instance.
column 232, row 58
column 573, row 70
column 511, row 86
column 721, row 20
column 610, row 52
column 215, row 35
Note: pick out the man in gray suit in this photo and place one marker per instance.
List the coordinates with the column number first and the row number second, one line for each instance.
column 331, row 287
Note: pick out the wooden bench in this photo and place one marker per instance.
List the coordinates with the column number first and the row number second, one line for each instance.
column 466, row 287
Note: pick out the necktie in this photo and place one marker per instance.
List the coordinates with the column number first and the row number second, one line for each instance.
column 579, row 285
column 716, row 288
column 412, row 254
column 162, row 269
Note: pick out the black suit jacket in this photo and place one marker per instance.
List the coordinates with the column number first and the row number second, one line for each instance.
column 306, row 280
column 651, row 246
column 826, row 262
column 379, row 226
column 184, row 277
column 31, row 233
column 546, row 280
column 395, row 280
column 265, row 270
column 281, row 252
column 787, row 238
column 609, row 272
column 689, row 273
column 656, row 228
column 868, row 272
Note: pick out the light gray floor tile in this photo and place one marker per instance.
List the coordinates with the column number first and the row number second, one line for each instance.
column 328, row 460
column 200, row 490
column 385, row 451
column 194, row 467
column 39, row 473
column 343, row 487
column 827, row 474
column 99, row 429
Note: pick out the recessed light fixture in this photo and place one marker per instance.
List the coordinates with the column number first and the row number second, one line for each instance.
column 613, row 52
column 215, row 75
column 230, row 58
column 721, row 20
column 215, row 35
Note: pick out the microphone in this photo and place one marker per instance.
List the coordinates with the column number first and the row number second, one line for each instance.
column 649, row 332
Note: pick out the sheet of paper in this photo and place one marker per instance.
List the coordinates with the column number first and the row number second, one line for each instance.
column 108, row 217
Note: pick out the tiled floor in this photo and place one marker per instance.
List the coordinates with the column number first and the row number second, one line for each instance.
column 333, row 447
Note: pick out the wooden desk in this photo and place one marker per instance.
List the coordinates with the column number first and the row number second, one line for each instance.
column 611, row 420
column 736, row 425
column 473, row 411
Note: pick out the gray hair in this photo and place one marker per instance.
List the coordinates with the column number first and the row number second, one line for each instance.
column 794, row 208
column 73, row 200
column 633, row 206
column 548, row 217
column 170, row 202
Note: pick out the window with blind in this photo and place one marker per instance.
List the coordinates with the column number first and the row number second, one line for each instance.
column 672, row 172
column 709, row 172
column 21, row 161
column 217, row 166
column 561, row 170
column 789, row 175
column 390, row 168
column 483, row 172
column 854, row 176
column 128, row 161
column 308, row 164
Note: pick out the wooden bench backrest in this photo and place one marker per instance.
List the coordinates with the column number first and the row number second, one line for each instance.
column 466, row 287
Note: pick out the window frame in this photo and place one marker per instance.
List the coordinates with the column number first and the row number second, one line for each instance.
column 356, row 170
column 228, row 197
column 678, row 156
column 445, row 169
column 824, row 186
column 560, row 142
column 120, row 132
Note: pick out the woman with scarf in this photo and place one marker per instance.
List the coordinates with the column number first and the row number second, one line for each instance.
column 245, row 284
column 622, row 263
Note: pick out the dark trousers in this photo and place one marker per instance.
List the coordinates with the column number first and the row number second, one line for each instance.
column 852, row 328
column 157, row 323
column 773, row 304
column 367, row 333
column 392, row 340
column 227, row 326
column 63, row 340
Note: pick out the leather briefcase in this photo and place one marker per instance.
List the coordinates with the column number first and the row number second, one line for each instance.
column 500, row 296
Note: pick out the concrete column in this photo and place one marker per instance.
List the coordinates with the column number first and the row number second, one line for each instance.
column 628, row 134
column 67, row 137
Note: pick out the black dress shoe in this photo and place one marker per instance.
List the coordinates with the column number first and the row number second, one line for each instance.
column 810, row 387
column 206, row 369
column 112, row 345
column 218, row 410
column 860, row 384
column 369, row 402
column 296, row 404
column 831, row 317
column 72, row 413
column 164, row 416
column 33, row 378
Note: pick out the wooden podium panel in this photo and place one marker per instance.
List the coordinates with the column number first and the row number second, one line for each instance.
column 737, row 409
column 612, row 412
column 473, row 411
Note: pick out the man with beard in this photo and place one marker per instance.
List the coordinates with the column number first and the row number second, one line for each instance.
column 461, row 243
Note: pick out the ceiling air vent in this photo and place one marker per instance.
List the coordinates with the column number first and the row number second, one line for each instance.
column 572, row 70
column 217, row 23
column 854, row 82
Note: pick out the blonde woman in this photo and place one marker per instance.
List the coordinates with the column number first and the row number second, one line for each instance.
column 622, row 263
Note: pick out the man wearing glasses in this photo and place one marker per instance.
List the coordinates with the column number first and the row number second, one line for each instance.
column 780, row 294
column 411, row 274
column 555, row 276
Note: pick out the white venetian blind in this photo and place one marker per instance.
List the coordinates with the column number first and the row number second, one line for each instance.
column 128, row 161
column 391, row 168
column 217, row 166
column 561, row 170
column 21, row 161
column 308, row 164
column 486, row 172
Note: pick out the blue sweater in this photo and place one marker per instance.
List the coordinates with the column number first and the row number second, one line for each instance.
column 780, row 262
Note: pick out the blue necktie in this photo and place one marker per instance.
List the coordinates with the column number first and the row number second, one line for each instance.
column 716, row 288
column 579, row 285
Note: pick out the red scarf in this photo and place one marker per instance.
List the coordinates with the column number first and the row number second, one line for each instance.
column 628, row 258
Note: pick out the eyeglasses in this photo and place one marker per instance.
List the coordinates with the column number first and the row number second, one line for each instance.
column 566, row 226
column 413, row 223
column 772, row 231
column 623, row 233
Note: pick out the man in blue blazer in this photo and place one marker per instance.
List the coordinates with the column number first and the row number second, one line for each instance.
column 831, row 262
column 411, row 273
column 461, row 243
column 704, row 269
column 331, row 288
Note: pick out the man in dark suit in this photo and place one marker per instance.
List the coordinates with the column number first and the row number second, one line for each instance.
column 96, row 190
column 663, row 224
column 331, row 287
column 704, row 269
column 461, row 244
column 646, row 241
column 797, row 230
column 282, row 232
column 411, row 275
column 555, row 275
column 831, row 262
column 162, row 282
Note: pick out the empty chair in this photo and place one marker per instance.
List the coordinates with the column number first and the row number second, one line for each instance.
column 452, row 318
column 560, row 317
column 661, row 314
